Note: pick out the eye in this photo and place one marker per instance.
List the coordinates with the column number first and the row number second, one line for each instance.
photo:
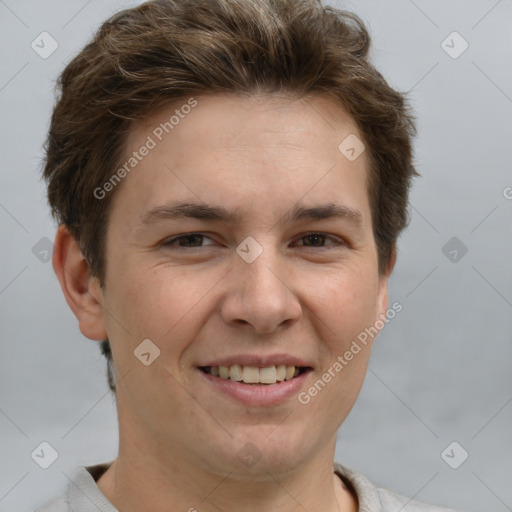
column 188, row 240
column 319, row 239
column 195, row 240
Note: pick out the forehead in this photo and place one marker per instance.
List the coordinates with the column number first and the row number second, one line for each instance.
column 241, row 150
column 240, row 123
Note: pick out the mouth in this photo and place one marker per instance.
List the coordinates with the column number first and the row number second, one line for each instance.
column 256, row 376
column 255, row 380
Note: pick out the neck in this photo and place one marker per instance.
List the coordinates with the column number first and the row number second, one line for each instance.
column 140, row 479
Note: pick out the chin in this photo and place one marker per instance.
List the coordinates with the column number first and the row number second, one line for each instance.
column 258, row 456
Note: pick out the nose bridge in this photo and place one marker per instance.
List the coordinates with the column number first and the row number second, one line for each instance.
column 259, row 293
column 262, row 275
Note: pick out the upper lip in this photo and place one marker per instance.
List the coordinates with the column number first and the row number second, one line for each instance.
column 258, row 361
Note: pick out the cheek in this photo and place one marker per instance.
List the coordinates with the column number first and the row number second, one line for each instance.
column 344, row 307
column 166, row 305
column 154, row 299
column 346, row 301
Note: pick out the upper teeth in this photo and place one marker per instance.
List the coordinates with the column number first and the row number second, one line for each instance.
column 255, row 375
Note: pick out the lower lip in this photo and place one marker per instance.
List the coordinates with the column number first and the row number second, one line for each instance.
column 262, row 395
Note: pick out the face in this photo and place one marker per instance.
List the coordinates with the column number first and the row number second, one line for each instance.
column 242, row 237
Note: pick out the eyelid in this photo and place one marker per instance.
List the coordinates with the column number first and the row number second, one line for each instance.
column 337, row 240
column 174, row 238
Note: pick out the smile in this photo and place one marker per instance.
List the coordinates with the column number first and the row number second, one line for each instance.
column 255, row 375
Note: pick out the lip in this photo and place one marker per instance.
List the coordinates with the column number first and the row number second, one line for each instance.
column 258, row 361
column 263, row 395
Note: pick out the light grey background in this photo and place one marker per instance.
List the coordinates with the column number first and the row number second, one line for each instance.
column 440, row 371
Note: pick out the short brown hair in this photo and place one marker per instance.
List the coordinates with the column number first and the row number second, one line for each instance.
column 164, row 51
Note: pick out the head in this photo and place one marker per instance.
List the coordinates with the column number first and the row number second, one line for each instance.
column 253, row 108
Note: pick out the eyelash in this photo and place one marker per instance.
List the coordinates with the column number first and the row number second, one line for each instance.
column 337, row 240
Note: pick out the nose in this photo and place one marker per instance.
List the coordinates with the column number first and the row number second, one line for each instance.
column 261, row 295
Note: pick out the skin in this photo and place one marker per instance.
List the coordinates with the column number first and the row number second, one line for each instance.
column 180, row 437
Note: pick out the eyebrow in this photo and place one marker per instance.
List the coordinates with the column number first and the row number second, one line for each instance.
column 222, row 214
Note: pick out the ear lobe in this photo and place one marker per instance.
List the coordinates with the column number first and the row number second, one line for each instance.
column 81, row 290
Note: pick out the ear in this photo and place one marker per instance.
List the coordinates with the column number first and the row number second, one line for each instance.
column 81, row 290
column 382, row 299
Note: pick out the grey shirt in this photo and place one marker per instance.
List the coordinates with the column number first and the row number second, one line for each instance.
column 83, row 495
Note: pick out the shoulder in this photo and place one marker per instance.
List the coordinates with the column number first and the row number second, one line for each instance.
column 81, row 494
column 391, row 501
column 374, row 499
column 58, row 504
